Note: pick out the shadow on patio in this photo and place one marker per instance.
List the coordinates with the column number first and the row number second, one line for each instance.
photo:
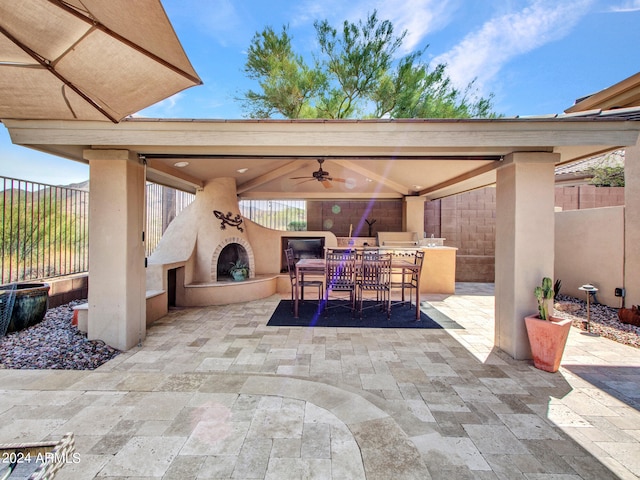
column 215, row 393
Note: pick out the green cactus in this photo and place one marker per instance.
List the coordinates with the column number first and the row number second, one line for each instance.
column 544, row 293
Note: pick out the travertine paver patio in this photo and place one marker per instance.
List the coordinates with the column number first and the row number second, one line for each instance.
column 215, row 393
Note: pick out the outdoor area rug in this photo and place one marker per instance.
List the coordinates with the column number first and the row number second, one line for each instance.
column 402, row 316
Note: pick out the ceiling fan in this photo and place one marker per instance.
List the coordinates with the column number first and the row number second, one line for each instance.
column 321, row 176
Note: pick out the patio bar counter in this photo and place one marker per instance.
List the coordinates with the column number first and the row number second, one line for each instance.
column 438, row 270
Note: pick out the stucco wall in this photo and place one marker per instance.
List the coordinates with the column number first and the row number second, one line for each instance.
column 590, row 249
column 267, row 245
column 632, row 220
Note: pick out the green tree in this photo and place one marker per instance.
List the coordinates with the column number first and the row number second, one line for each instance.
column 297, row 226
column 355, row 75
column 286, row 82
column 606, row 176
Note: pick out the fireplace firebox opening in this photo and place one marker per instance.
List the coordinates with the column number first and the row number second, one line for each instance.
column 230, row 254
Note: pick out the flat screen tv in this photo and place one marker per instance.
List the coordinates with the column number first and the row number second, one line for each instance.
column 303, row 247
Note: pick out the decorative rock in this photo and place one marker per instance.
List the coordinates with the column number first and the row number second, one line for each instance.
column 567, row 307
column 604, row 321
column 54, row 343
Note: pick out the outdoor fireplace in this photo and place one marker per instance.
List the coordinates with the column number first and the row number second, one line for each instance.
column 228, row 251
column 208, row 235
column 230, row 254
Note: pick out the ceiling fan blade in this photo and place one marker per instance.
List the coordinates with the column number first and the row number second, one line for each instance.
column 301, row 178
column 305, row 181
column 326, row 183
column 343, row 180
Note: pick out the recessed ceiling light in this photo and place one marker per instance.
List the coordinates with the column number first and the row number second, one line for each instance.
column 181, row 164
column 418, row 187
column 242, row 170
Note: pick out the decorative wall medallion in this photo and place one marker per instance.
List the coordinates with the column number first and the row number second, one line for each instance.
column 228, row 219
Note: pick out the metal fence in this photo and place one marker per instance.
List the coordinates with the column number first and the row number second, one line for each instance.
column 276, row 214
column 163, row 205
column 44, row 230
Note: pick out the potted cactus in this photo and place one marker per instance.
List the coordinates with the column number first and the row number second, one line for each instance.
column 545, row 294
column 547, row 334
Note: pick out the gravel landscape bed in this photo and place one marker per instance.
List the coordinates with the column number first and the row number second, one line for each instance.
column 55, row 343
column 603, row 320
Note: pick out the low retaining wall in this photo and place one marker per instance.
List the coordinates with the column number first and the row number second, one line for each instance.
column 156, row 309
column 65, row 289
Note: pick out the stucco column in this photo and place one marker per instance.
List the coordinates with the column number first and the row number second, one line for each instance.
column 632, row 225
column 413, row 215
column 117, row 291
column 524, row 243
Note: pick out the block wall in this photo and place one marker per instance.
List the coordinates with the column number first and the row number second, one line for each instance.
column 588, row 196
column 467, row 221
column 338, row 216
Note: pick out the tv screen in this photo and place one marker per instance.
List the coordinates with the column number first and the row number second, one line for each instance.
column 307, row 248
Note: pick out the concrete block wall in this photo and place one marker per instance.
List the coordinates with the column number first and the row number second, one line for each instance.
column 588, row 196
column 467, row 221
column 432, row 212
column 338, row 216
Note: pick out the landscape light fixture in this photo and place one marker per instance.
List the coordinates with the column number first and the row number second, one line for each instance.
column 589, row 289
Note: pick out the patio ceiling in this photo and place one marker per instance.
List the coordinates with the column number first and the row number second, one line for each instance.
column 378, row 158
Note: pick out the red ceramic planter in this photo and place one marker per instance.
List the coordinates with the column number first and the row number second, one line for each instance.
column 547, row 340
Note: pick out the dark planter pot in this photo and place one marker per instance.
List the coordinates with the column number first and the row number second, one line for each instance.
column 30, row 306
column 238, row 276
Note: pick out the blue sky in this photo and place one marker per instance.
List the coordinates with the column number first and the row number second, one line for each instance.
column 535, row 56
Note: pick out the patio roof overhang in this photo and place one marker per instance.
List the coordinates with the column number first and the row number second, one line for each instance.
column 379, row 158
column 623, row 94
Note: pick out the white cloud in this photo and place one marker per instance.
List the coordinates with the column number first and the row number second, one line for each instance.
column 483, row 53
column 307, row 12
column 627, row 6
column 162, row 109
column 418, row 17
